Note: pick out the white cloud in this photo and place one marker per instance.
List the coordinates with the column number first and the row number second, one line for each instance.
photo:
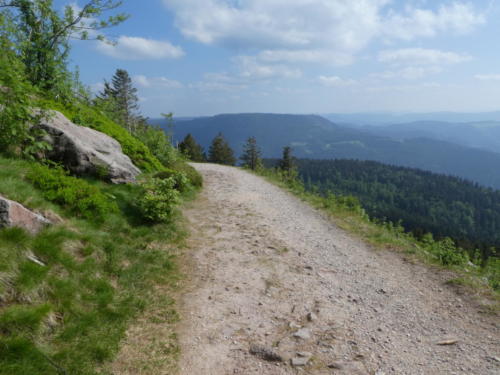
column 335, row 81
column 409, row 72
column 457, row 17
column 219, row 82
column 251, row 68
column 416, row 63
column 136, row 48
column 421, row 56
column 295, row 26
column 307, row 56
column 216, row 86
column 326, row 31
column 402, row 88
column 487, row 77
column 155, row 82
column 291, row 90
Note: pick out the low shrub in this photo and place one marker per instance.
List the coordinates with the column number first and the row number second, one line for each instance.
column 182, row 183
column 74, row 194
column 158, row 142
column 349, row 202
column 159, row 199
column 192, row 174
column 445, row 250
column 491, row 271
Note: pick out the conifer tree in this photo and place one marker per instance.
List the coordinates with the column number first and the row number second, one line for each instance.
column 119, row 100
column 251, row 154
column 287, row 164
column 127, row 102
column 220, row 152
column 191, row 149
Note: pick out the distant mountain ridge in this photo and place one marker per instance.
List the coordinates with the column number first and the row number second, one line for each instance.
column 389, row 118
column 315, row 137
column 481, row 134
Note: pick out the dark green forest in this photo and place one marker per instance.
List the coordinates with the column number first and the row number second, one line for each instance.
column 424, row 202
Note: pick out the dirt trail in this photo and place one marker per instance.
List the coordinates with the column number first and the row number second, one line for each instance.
column 267, row 268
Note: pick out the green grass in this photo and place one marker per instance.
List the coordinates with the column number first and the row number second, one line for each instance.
column 66, row 312
column 350, row 216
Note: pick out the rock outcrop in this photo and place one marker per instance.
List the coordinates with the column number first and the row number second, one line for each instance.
column 85, row 151
column 13, row 214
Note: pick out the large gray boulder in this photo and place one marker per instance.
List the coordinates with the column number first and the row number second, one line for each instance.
column 13, row 214
column 86, row 151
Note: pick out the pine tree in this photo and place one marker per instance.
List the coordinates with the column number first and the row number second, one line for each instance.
column 220, row 152
column 287, row 164
column 119, row 101
column 191, row 149
column 251, row 154
column 105, row 100
column 125, row 96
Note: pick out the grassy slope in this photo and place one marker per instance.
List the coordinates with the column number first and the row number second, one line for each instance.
column 69, row 315
column 484, row 283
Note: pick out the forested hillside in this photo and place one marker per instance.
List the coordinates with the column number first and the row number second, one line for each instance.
column 317, row 138
column 422, row 201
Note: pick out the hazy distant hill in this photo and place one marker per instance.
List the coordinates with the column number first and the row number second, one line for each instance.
column 317, row 138
column 485, row 134
column 388, row 118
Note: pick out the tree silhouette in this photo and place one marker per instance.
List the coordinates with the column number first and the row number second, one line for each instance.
column 191, row 149
column 220, row 152
column 286, row 164
column 251, row 154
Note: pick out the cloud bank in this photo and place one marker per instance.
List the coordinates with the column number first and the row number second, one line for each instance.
column 325, row 31
column 136, row 48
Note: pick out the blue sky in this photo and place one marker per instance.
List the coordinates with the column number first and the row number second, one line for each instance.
column 203, row 57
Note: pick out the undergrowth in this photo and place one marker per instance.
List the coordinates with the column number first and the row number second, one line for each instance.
column 350, row 215
column 74, row 194
column 68, row 294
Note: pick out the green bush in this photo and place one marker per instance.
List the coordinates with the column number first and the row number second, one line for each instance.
column 491, row 271
column 83, row 115
column 446, row 252
column 192, row 174
column 158, row 143
column 181, row 181
column 348, row 203
column 73, row 193
column 158, row 201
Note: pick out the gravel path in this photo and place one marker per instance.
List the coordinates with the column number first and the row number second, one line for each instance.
column 272, row 278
